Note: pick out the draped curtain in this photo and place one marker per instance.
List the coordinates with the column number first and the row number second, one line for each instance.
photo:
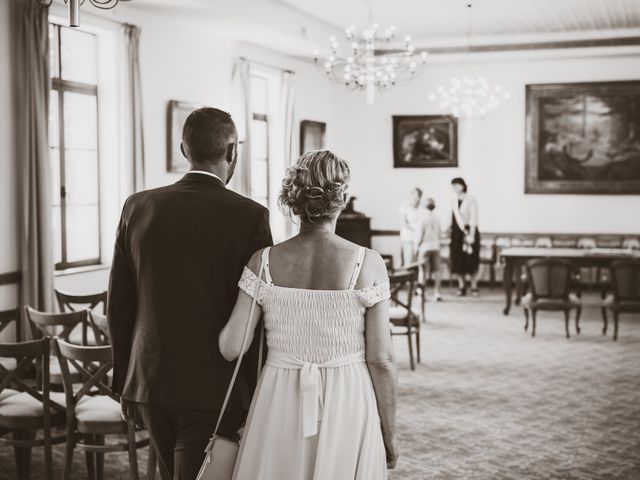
column 134, row 134
column 30, row 37
column 242, row 116
column 287, row 99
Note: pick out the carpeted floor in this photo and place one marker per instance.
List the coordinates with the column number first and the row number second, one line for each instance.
column 489, row 402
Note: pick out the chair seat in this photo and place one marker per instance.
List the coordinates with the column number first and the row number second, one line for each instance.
column 20, row 408
column 9, row 363
column 550, row 303
column 397, row 313
column 621, row 305
column 99, row 414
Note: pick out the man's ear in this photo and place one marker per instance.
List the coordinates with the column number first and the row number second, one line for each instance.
column 182, row 150
column 232, row 152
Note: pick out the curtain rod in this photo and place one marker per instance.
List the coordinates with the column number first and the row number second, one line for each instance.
column 275, row 67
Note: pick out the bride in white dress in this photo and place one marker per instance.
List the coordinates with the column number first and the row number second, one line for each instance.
column 324, row 408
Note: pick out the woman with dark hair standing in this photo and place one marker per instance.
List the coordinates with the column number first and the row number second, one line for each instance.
column 465, row 238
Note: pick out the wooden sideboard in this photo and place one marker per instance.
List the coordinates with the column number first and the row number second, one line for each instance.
column 355, row 228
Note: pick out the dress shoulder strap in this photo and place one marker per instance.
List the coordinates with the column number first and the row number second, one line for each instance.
column 357, row 268
column 267, row 272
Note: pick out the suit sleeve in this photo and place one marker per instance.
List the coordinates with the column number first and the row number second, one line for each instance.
column 121, row 309
column 261, row 236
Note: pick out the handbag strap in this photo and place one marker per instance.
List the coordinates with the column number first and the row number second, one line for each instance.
column 244, row 343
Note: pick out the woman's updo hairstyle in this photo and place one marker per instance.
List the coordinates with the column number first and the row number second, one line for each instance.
column 314, row 188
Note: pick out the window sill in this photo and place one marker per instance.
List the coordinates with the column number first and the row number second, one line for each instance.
column 79, row 270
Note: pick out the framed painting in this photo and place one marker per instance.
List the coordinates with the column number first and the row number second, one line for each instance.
column 425, row 141
column 311, row 135
column 583, row 138
column 177, row 113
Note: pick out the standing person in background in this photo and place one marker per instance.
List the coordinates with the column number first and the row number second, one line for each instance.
column 410, row 223
column 429, row 246
column 465, row 238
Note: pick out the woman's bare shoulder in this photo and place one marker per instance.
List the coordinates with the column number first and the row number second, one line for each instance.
column 374, row 270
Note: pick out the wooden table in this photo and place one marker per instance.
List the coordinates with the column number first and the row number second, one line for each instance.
column 515, row 257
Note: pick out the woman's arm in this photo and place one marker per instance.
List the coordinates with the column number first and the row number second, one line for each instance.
column 473, row 217
column 380, row 362
column 230, row 339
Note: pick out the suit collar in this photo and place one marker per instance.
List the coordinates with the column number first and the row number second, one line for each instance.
column 194, row 177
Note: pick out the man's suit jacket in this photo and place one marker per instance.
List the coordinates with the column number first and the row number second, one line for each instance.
column 178, row 256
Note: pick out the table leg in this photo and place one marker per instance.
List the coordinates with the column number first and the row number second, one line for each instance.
column 508, row 285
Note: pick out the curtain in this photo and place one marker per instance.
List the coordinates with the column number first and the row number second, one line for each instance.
column 134, row 134
column 242, row 116
column 30, row 37
column 287, row 98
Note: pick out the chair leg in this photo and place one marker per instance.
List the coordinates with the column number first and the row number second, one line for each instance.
column 99, row 440
column 616, row 316
column 152, row 463
column 90, row 458
column 70, row 445
column 411, row 362
column 133, row 453
column 418, row 344
column 533, row 322
column 23, row 454
column 422, row 305
column 492, row 274
column 48, row 454
column 605, row 320
column 566, row 322
column 578, row 314
column 526, row 318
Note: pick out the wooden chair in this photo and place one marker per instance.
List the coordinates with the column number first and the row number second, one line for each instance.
column 388, row 261
column 625, row 297
column 55, row 325
column 401, row 315
column 25, row 409
column 543, row 242
column 100, row 328
column 631, row 243
column 420, row 289
column 93, row 412
column 550, row 282
column 70, row 302
column 7, row 317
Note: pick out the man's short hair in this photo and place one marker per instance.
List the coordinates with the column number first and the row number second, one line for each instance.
column 207, row 133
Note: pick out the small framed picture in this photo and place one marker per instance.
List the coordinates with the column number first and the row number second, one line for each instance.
column 311, row 135
column 177, row 113
column 425, row 141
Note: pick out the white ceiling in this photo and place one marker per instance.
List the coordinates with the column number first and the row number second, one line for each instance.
column 450, row 18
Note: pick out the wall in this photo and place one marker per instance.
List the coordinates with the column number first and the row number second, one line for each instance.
column 491, row 150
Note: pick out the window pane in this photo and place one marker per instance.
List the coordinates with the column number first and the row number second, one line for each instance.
column 80, row 121
column 259, row 179
column 259, row 100
column 54, row 165
column 259, row 140
column 82, row 233
column 53, row 52
column 79, row 56
column 57, row 235
column 81, row 177
column 54, row 127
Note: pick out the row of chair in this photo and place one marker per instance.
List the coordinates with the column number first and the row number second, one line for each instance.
column 85, row 408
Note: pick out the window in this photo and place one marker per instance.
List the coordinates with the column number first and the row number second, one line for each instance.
column 73, row 138
column 260, row 139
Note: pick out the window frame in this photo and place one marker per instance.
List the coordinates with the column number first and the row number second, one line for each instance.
column 262, row 117
column 59, row 87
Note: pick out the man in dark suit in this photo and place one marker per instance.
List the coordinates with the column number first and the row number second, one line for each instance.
column 178, row 256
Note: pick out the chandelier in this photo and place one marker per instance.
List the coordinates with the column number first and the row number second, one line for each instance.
column 375, row 60
column 469, row 96
column 74, row 7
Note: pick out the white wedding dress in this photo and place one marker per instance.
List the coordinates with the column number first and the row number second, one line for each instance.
column 314, row 414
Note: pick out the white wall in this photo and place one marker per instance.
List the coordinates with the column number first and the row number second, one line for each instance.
column 491, row 150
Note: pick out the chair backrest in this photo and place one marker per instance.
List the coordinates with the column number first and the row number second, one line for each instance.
column 549, row 278
column 388, row 261
column 587, row 243
column 28, row 354
column 100, row 328
column 631, row 243
column 70, row 302
column 625, row 279
column 543, row 242
column 401, row 281
column 9, row 316
column 92, row 363
column 55, row 324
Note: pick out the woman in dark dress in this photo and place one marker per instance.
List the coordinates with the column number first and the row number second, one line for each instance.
column 465, row 238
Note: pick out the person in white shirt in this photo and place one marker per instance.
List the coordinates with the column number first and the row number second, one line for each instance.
column 410, row 222
column 429, row 233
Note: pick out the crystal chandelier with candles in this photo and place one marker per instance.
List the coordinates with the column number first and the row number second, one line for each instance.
column 74, row 7
column 469, row 96
column 375, row 60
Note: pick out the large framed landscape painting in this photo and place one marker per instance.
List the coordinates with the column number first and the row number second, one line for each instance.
column 425, row 141
column 583, row 138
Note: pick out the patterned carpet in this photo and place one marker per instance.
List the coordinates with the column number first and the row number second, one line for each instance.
column 489, row 402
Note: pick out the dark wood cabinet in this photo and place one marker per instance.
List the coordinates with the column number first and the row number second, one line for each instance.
column 355, row 228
